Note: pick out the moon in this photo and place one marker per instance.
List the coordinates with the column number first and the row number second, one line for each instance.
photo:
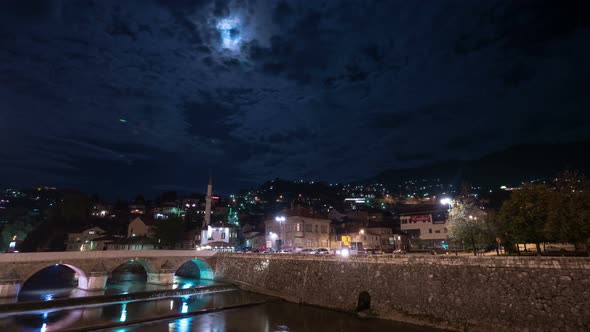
column 230, row 30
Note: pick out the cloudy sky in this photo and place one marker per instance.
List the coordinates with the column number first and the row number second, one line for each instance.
column 121, row 97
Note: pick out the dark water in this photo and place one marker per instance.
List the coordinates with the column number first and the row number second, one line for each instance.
column 276, row 317
column 150, row 315
column 270, row 316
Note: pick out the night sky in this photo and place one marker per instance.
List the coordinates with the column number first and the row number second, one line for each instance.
column 122, row 97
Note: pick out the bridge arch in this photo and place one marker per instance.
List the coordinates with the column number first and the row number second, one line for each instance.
column 130, row 270
column 147, row 266
column 81, row 276
column 205, row 270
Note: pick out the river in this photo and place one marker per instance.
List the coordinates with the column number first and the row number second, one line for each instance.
column 230, row 310
column 233, row 310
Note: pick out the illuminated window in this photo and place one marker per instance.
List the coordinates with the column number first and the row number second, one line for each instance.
column 298, row 227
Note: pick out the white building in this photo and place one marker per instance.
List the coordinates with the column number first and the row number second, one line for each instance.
column 425, row 229
column 219, row 236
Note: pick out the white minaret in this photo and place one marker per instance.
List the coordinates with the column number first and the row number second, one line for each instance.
column 208, row 199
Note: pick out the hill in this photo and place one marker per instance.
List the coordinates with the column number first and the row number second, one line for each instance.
column 511, row 166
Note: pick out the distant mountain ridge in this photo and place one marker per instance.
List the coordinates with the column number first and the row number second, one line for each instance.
column 510, row 166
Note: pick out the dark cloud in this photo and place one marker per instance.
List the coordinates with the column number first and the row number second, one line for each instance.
column 124, row 97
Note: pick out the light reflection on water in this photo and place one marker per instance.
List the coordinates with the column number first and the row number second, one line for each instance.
column 275, row 316
column 122, row 312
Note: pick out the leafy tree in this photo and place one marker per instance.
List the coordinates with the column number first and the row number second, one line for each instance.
column 139, row 199
column 167, row 196
column 569, row 209
column 467, row 224
column 525, row 214
column 169, row 231
column 19, row 228
column 71, row 213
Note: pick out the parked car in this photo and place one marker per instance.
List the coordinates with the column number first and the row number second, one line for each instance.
column 286, row 251
column 305, row 251
column 399, row 252
column 320, row 251
column 372, row 251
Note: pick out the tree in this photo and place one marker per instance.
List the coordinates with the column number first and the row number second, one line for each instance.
column 19, row 228
column 167, row 196
column 71, row 213
column 525, row 214
column 569, row 210
column 169, row 231
column 467, row 224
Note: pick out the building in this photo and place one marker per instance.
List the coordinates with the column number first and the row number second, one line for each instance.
column 89, row 239
column 425, row 225
column 140, row 226
column 297, row 228
column 134, row 243
column 371, row 237
column 166, row 210
column 219, row 236
column 101, row 210
column 255, row 240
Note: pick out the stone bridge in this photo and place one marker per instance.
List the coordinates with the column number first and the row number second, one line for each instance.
column 94, row 267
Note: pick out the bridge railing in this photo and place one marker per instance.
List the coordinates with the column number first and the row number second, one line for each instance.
column 69, row 255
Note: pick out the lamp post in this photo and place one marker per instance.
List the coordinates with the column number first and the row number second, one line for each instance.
column 447, row 201
column 273, row 237
column 281, row 220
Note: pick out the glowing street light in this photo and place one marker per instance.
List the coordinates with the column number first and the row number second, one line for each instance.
column 445, row 201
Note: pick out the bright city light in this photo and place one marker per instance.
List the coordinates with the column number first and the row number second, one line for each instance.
column 445, row 201
column 344, row 252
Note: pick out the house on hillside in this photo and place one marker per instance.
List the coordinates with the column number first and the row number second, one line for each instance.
column 140, row 226
column 89, row 239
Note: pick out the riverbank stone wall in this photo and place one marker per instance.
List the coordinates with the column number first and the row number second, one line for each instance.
column 459, row 293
